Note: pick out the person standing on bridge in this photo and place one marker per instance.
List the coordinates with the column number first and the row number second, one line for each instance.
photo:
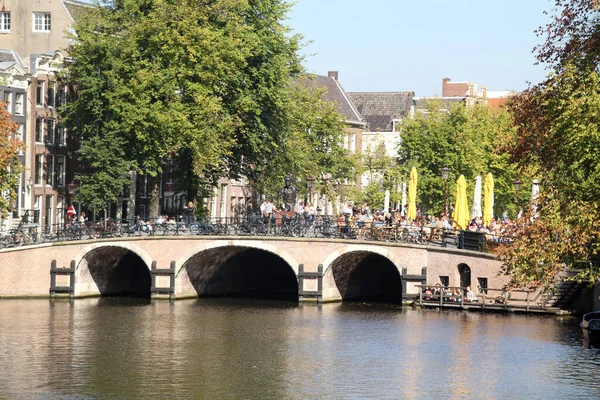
column 188, row 212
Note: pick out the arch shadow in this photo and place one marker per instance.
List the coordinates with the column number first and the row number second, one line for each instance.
column 115, row 270
column 365, row 275
column 235, row 271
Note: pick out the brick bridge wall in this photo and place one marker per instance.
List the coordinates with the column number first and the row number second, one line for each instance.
column 25, row 272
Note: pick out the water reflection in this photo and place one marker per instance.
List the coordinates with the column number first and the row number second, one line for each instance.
column 221, row 348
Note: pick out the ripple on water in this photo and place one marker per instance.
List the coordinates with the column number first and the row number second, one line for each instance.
column 223, row 348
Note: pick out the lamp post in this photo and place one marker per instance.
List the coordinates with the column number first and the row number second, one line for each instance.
column 71, row 188
column 517, row 184
column 445, row 174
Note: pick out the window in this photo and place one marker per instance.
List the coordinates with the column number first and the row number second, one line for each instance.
column 445, row 280
column 37, row 207
column 19, row 136
column 142, row 213
column 51, row 94
column 48, row 213
column 60, row 135
column 61, row 96
column 39, row 172
column 39, row 94
column 60, row 171
column 41, row 22
column 482, row 285
column 19, row 104
column 60, row 212
column 50, row 170
column 39, row 130
column 143, row 185
column 5, row 22
column 51, row 131
column 8, row 101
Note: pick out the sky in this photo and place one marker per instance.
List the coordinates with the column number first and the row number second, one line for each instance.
column 402, row 45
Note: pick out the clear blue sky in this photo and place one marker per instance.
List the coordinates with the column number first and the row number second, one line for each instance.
column 401, row 45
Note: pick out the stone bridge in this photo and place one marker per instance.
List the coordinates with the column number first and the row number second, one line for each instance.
column 287, row 268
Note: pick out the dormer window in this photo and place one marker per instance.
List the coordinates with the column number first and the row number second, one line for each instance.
column 5, row 21
column 41, row 22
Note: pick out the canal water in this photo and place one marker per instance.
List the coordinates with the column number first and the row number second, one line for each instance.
column 115, row 348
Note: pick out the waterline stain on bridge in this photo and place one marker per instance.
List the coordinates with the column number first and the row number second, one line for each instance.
column 363, row 275
column 234, row 271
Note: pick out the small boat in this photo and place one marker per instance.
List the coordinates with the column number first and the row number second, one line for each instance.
column 591, row 328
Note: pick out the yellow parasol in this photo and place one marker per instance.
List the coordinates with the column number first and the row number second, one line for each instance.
column 412, row 195
column 488, row 199
column 461, row 211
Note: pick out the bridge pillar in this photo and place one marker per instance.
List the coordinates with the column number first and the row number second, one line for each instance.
column 163, row 281
column 409, row 290
column 310, row 284
column 64, row 285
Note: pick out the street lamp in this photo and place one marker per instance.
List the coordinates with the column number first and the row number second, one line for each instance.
column 517, row 184
column 71, row 188
column 445, row 175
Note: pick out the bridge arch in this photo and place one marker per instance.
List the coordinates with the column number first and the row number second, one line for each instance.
column 363, row 272
column 238, row 268
column 112, row 268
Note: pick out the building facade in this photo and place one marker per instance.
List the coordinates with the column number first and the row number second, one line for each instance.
column 13, row 91
column 51, row 157
column 37, row 26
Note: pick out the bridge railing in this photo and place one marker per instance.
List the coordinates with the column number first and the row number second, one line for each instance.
column 280, row 225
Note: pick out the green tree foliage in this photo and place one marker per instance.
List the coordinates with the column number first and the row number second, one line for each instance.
column 312, row 146
column 10, row 166
column 549, row 237
column 557, row 136
column 464, row 139
column 383, row 173
column 203, row 82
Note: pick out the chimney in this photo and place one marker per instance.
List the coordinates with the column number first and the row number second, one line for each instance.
column 333, row 74
column 445, row 89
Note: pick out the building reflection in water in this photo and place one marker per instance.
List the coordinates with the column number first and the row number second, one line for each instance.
column 217, row 348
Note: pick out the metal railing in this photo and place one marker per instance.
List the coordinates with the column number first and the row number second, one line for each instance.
column 254, row 225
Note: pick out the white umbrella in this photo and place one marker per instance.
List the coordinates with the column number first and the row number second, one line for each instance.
column 476, row 212
column 403, row 213
column 386, row 207
column 535, row 189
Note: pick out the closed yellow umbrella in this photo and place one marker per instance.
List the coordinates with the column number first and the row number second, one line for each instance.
column 461, row 211
column 488, row 199
column 412, row 195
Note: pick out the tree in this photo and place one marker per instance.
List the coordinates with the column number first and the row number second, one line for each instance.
column 205, row 84
column 557, row 136
column 10, row 166
column 311, row 147
column 383, row 174
column 551, row 236
column 464, row 139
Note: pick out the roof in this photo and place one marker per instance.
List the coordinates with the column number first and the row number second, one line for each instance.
column 379, row 109
column 9, row 58
column 335, row 93
column 445, row 102
column 75, row 8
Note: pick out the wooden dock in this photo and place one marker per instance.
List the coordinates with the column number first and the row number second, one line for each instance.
column 495, row 300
